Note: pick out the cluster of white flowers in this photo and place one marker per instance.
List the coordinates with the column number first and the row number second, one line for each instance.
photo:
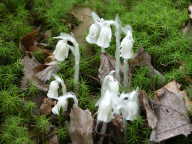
column 100, row 32
column 62, row 101
column 111, row 103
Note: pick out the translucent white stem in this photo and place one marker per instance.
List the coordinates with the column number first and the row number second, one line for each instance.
column 125, row 73
column 102, row 50
column 117, row 53
column 103, row 131
column 77, row 60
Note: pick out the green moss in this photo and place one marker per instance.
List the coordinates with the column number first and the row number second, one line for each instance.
column 14, row 132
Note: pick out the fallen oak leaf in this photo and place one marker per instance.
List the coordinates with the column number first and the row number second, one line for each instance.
column 81, row 126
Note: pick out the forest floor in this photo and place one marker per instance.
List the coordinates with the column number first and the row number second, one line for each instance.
column 157, row 27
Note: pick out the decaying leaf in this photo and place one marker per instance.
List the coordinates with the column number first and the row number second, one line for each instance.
column 44, row 71
column 30, row 43
column 107, row 64
column 187, row 26
column 171, row 113
column 53, row 140
column 81, row 126
column 151, row 117
column 142, row 58
column 47, row 106
column 29, row 65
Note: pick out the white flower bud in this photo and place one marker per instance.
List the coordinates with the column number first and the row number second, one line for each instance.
column 126, row 50
column 61, row 51
column 63, row 103
column 105, row 35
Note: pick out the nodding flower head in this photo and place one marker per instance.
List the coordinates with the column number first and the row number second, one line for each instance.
column 63, row 102
column 61, row 51
column 105, row 35
column 94, row 31
column 126, row 50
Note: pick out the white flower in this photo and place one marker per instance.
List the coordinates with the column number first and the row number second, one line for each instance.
column 126, row 45
column 105, row 35
column 63, row 103
column 129, row 105
column 53, row 89
column 109, row 98
column 94, row 31
column 61, row 51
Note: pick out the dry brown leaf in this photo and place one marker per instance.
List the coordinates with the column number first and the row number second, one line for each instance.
column 30, row 43
column 172, row 114
column 29, row 65
column 107, row 64
column 53, row 140
column 187, row 26
column 47, row 106
column 151, row 117
column 44, row 72
column 81, row 126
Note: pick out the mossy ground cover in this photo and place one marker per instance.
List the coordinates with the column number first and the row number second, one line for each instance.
column 156, row 27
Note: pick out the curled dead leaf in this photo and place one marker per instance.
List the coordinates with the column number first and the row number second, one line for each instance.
column 29, row 65
column 30, row 43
